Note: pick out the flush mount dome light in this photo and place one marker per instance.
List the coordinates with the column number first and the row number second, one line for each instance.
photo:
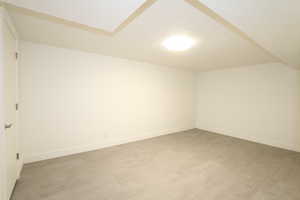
column 178, row 43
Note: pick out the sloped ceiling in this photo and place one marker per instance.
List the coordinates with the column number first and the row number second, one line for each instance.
column 101, row 14
column 274, row 24
column 218, row 46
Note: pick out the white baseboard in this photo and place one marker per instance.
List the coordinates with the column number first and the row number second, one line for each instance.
column 281, row 146
column 96, row 146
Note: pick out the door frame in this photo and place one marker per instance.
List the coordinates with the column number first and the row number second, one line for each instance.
column 6, row 22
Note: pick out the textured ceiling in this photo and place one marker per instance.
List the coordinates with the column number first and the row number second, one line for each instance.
column 217, row 45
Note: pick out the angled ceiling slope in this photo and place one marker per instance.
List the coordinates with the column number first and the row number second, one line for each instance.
column 217, row 46
column 273, row 24
column 108, row 16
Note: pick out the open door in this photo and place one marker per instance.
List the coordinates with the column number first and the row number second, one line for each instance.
column 10, row 112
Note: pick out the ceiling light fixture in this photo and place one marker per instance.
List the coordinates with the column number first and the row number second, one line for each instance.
column 178, row 43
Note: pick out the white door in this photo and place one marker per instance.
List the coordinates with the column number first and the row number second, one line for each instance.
column 10, row 114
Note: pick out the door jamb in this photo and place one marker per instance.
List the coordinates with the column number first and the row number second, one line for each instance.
column 6, row 22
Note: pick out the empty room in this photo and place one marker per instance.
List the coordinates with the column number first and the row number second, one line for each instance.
column 150, row 100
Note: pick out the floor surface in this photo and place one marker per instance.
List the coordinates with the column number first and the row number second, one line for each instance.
column 190, row 165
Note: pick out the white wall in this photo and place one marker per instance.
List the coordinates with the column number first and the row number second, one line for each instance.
column 72, row 101
column 259, row 103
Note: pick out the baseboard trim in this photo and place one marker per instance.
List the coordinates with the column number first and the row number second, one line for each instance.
column 97, row 146
column 253, row 140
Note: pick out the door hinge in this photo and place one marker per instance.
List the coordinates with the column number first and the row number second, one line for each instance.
column 18, row 156
column 17, row 55
column 17, row 106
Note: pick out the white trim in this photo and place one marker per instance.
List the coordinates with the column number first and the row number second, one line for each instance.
column 6, row 23
column 3, row 174
column 7, row 19
column 97, row 146
column 255, row 140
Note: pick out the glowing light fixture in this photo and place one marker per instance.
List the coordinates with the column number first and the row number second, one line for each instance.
column 178, row 43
